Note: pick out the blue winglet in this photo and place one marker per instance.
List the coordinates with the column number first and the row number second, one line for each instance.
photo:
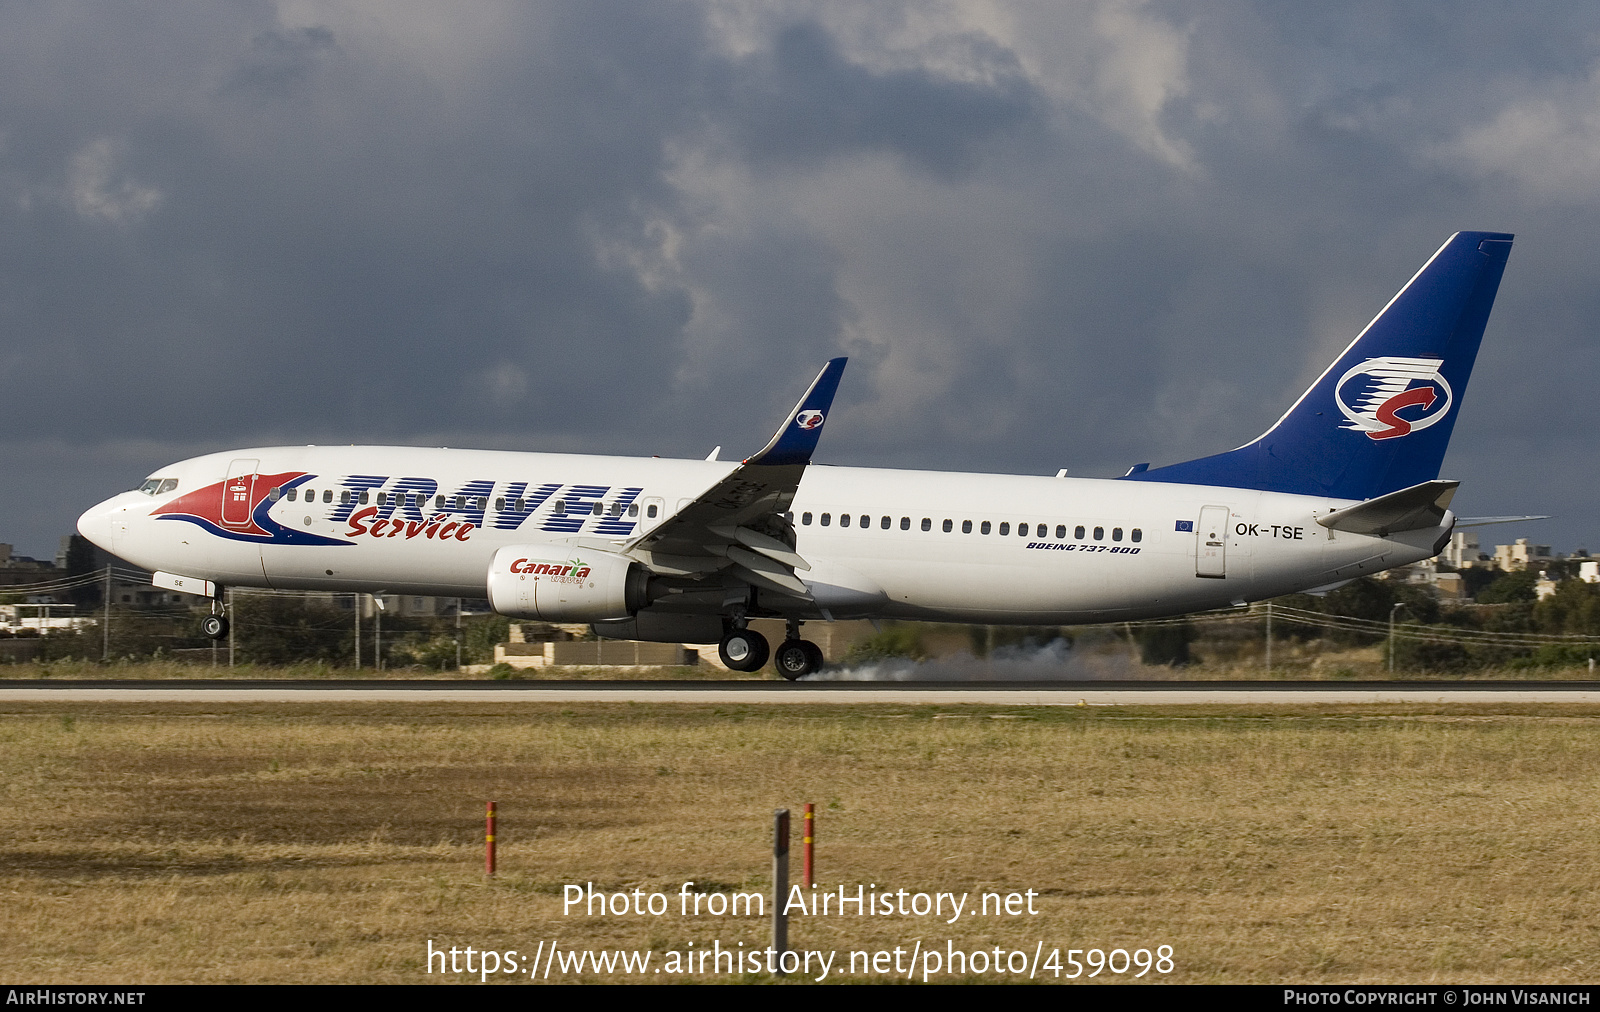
column 797, row 439
column 1346, row 436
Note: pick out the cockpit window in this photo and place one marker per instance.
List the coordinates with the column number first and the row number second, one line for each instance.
column 158, row 486
column 168, row 485
column 149, row 487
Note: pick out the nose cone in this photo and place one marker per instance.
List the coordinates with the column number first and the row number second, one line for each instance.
column 103, row 523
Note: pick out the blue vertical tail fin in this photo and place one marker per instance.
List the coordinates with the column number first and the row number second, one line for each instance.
column 1379, row 418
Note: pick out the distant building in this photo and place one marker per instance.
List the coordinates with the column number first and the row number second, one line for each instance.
column 19, row 570
column 1522, row 555
column 1462, row 552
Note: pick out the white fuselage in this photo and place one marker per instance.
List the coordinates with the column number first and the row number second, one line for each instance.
column 430, row 536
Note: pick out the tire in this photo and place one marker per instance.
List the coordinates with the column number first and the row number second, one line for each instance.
column 793, row 660
column 817, row 660
column 214, row 626
column 743, row 650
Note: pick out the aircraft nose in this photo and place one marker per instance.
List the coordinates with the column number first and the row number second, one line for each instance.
column 102, row 524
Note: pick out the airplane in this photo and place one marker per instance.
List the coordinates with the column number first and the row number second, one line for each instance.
column 1345, row 484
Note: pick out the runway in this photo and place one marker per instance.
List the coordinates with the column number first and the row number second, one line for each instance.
column 816, row 693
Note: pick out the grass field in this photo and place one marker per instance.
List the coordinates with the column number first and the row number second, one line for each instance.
column 165, row 843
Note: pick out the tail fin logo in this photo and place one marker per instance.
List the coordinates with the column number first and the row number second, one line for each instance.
column 1372, row 395
column 808, row 419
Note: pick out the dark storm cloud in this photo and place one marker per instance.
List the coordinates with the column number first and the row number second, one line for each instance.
column 803, row 101
column 1048, row 235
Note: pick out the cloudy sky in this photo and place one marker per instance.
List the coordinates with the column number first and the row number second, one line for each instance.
column 1048, row 235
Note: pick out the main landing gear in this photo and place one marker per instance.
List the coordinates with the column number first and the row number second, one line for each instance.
column 796, row 658
column 747, row 650
column 744, row 650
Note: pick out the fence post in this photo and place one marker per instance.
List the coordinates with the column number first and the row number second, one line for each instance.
column 780, row 884
column 105, row 631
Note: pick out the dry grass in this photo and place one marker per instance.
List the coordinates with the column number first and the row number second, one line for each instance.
column 287, row 843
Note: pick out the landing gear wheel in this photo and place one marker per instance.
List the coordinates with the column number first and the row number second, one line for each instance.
column 817, row 660
column 214, row 626
column 792, row 660
column 743, row 650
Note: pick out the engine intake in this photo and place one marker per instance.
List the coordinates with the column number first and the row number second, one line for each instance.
column 557, row 583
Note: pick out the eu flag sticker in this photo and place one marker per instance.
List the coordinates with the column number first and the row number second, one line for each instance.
column 1186, row 525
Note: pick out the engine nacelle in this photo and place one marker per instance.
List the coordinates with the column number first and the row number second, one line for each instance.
column 557, row 583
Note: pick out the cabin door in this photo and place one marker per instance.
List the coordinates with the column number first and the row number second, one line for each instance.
column 238, row 492
column 1211, row 543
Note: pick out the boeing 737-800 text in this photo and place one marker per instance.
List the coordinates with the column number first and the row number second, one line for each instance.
column 1344, row 484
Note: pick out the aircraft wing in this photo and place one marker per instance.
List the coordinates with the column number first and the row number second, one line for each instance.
column 738, row 524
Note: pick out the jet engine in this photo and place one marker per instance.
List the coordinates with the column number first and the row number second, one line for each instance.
column 558, row 583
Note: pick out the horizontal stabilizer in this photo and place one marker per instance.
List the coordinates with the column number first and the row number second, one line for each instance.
column 1409, row 509
column 1486, row 521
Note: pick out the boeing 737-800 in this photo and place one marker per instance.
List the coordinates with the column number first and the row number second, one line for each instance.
column 1343, row 485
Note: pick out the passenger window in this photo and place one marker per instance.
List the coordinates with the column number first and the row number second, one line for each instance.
column 292, row 492
column 1005, row 528
column 966, row 527
column 651, row 512
column 170, row 485
column 616, row 509
column 905, row 523
column 499, row 504
column 561, row 507
column 826, row 518
column 522, row 505
column 1116, row 534
column 1099, row 533
column 633, row 508
column 844, row 520
column 1061, row 531
column 986, row 527
column 327, row 495
column 438, row 502
column 273, row 495
column 1077, row 532
column 805, row 518
column 865, row 520
column 383, row 498
column 1042, row 531
column 364, row 495
column 927, row 524
column 884, row 523
column 947, row 527
column 1138, row 535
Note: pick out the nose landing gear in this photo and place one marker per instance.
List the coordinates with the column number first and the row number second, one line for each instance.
column 215, row 625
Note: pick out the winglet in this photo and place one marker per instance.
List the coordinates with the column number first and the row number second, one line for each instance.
column 796, row 439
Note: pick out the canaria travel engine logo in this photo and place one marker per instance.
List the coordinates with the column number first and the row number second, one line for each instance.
column 574, row 571
column 1372, row 395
